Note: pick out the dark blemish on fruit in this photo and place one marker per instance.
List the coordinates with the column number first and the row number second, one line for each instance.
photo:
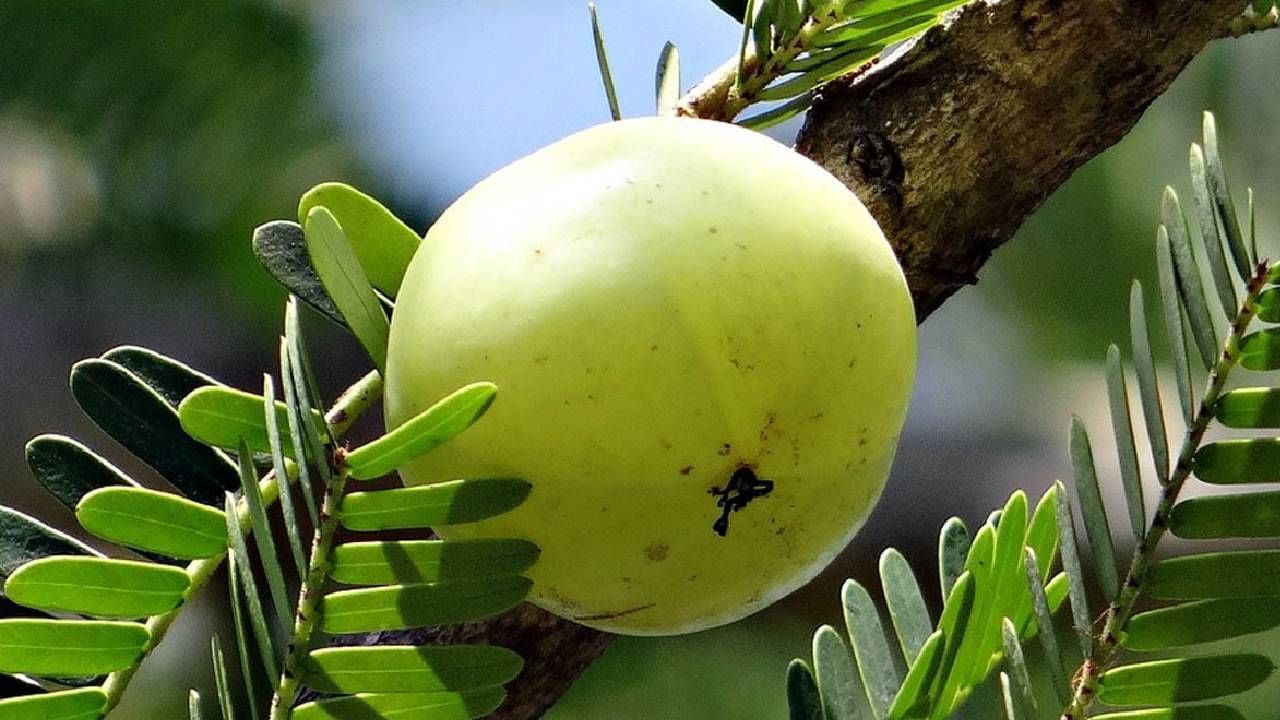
column 648, row 201
column 612, row 615
column 541, row 359
column 657, row 551
column 816, row 417
column 724, row 450
column 862, row 441
column 734, row 362
column 744, row 486
column 852, row 361
column 740, row 246
column 686, row 469
column 706, row 193
column 537, row 251
column 653, row 347
column 713, row 230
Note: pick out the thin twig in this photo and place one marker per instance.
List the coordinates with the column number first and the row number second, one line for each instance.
column 1121, row 608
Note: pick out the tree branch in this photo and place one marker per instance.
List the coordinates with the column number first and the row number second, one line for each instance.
column 951, row 144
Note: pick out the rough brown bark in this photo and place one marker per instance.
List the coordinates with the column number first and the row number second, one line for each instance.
column 951, row 145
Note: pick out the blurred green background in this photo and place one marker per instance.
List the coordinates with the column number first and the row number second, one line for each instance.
column 141, row 142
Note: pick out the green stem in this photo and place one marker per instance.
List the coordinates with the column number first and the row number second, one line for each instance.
column 349, row 406
column 1121, row 608
column 308, row 614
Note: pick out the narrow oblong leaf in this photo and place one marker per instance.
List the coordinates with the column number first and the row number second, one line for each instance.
column 1122, row 424
column 1224, row 206
column 1168, row 682
column 69, row 648
column 284, row 494
column 1209, row 233
column 803, row 699
column 874, row 659
column 1235, row 574
column 1019, row 677
column 1081, row 620
column 1200, row 622
column 1171, row 303
column 833, row 665
column 1188, row 273
column 410, row 668
column 1249, row 408
column 667, row 80
column 1093, row 511
column 144, row 422
column 910, row 616
column 344, row 278
column 379, row 706
column 1012, row 709
column 1238, row 460
column 1045, row 631
column 841, row 63
column 23, row 539
column 193, row 706
column 382, row 243
column 1148, row 386
column 602, row 62
column 778, row 114
column 405, row 606
column 1260, row 351
column 1249, row 515
column 69, row 470
column 423, row 433
column 223, row 416
column 263, row 537
column 281, row 248
column 919, row 678
column 149, row 520
column 236, row 598
column 100, row 587
column 1008, row 589
column 238, row 562
column 446, row 503
column 957, row 624
column 220, row 680
column 1193, row 712
column 405, row 562
column 171, row 379
column 294, row 414
column 80, row 704
column 953, row 548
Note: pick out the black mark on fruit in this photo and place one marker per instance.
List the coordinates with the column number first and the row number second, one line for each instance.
column 743, row 487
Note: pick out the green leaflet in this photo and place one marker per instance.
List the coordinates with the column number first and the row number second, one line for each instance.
column 1190, row 288
column 382, row 243
column 193, row 706
column 220, row 679
column 405, row 606
column 436, row 706
column 1235, row 574
column 1249, row 515
column 1122, row 425
column 1249, row 408
column 69, row 648
column 803, row 699
column 1209, row 233
column 1092, row 509
column 838, row 686
column 1169, row 682
column 171, row 379
column 911, row 621
column 149, row 520
column 423, row 433
column 953, row 548
column 871, row 651
column 1019, row 678
column 447, row 503
column 410, row 668
column 100, row 587
column 407, row 562
column 1200, row 622
column 339, row 269
column 1238, row 460
column 1220, row 193
column 1261, row 350
column 140, row 419
column 1148, row 387
column 602, row 63
column 1175, row 334
column 69, row 470
column 1269, row 305
column 82, row 704
column 1042, row 612
column 23, row 539
column 222, row 416
column 1197, row 712
column 666, row 84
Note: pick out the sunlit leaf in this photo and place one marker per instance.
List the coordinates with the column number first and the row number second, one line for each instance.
column 602, row 62
column 69, row 648
column 263, row 537
column 382, row 243
column 874, row 659
column 1249, row 515
column 1249, row 408
column 99, row 587
column 1235, row 574
column 284, row 494
column 1261, row 350
column 1200, row 622
column 667, row 79
column 376, row 706
column 410, row 669
column 1195, row 712
column 403, row 562
column 423, row 433
column 345, row 280
column 149, row 520
column 446, row 503
column 144, row 422
column 405, row 606
column 222, row 416
column 838, row 686
column 911, row 621
column 238, row 555
column 1168, row 682
column 1238, row 460
column 81, row 704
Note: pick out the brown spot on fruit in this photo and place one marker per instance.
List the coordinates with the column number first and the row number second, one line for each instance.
column 686, row 469
column 657, row 551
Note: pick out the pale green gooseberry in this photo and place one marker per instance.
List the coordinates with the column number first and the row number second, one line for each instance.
column 704, row 349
